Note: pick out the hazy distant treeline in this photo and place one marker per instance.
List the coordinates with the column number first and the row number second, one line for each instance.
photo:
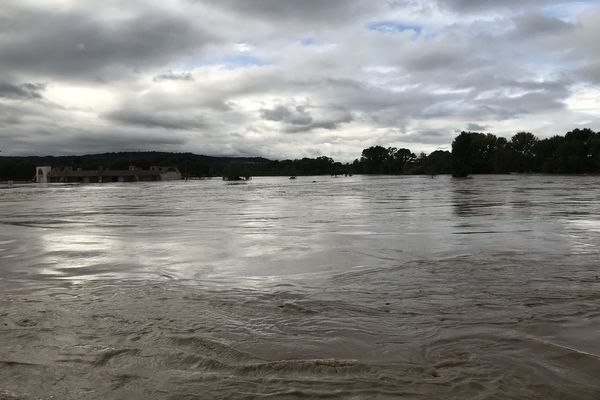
column 576, row 152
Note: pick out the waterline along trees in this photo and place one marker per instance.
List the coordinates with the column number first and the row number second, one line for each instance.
column 577, row 152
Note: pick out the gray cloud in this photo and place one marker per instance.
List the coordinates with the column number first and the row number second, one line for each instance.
column 476, row 127
column 287, row 78
column 479, row 5
column 22, row 91
column 590, row 72
column 173, row 76
column 76, row 140
column 298, row 118
column 532, row 25
column 156, row 120
column 79, row 44
column 295, row 116
column 306, row 12
column 430, row 136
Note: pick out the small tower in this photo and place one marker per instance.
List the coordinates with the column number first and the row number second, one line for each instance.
column 41, row 174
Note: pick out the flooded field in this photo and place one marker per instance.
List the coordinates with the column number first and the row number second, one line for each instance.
column 360, row 287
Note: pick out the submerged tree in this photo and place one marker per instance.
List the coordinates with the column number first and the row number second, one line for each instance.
column 236, row 171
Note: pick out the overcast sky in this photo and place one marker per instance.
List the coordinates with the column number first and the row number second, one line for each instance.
column 291, row 78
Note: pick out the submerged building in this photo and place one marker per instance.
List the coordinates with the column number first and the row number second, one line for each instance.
column 134, row 174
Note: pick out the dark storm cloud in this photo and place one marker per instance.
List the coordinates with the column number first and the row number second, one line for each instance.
column 21, row 91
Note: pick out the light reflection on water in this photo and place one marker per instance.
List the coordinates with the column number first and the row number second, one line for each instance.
column 277, row 227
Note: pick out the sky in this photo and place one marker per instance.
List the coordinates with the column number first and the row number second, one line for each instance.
column 291, row 78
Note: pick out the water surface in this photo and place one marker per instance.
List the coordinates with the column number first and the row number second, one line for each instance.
column 361, row 287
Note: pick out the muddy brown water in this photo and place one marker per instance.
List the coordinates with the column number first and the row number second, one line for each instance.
column 349, row 288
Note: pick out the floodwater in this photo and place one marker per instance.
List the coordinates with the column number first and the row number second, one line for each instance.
column 343, row 288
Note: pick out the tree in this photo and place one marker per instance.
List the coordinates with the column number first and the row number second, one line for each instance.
column 438, row 162
column 462, row 155
column 523, row 144
column 401, row 159
column 484, row 147
column 374, row 158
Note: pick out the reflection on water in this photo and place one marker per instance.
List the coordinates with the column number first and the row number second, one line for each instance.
column 369, row 287
column 274, row 227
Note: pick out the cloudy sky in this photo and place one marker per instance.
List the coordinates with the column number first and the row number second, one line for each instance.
column 291, row 78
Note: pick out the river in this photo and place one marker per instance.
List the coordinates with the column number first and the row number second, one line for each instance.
column 351, row 287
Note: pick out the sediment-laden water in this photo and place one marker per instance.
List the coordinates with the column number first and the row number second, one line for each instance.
column 360, row 287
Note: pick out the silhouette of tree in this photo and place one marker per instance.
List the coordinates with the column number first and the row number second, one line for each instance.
column 438, row 162
column 401, row 159
column 374, row 158
column 523, row 144
column 462, row 155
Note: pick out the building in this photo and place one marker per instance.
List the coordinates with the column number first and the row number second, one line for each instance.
column 70, row 175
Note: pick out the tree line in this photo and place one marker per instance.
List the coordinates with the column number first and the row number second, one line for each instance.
column 577, row 152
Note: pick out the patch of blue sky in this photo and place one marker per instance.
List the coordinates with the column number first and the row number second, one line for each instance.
column 307, row 41
column 568, row 10
column 242, row 60
column 394, row 27
column 232, row 61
